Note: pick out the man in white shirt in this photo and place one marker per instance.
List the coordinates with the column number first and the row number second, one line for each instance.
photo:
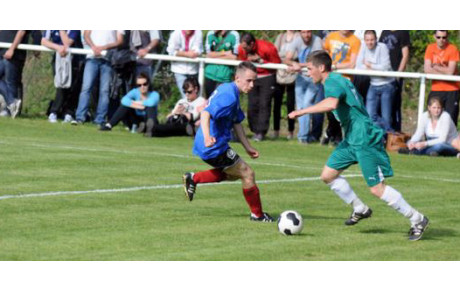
column 189, row 44
column 97, row 66
column 376, row 56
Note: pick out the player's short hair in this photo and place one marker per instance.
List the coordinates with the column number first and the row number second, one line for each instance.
column 371, row 32
column 246, row 65
column 318, row 58
column 191, row 82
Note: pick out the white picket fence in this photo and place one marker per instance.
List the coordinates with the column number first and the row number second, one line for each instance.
column 203, row 61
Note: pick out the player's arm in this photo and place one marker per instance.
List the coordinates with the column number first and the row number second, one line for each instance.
column 326, row 105
column 205, row 119
column 239, row 131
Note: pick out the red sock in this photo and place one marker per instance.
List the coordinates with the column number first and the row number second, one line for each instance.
column 253, row 199
column 210, row 176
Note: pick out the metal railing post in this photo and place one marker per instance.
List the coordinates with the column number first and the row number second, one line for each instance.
column 201, row 77
column 421, row 98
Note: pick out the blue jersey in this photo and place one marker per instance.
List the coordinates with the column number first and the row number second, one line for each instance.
column 225, row 110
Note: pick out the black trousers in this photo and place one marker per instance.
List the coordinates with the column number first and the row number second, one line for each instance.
column 209, row 86
column 278, row 102
column 259, row 105
column 169, row 129
column 396, row 115
column 333, row 130
column 450, row 101
column 66, row 100
column 131, row 117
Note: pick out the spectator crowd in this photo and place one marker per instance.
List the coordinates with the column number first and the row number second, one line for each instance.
column 117, row 75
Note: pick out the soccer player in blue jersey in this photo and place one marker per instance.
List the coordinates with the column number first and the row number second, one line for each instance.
column 211, row 142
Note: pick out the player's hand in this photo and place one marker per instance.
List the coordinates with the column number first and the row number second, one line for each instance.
column 209, row 141
column 252, row 152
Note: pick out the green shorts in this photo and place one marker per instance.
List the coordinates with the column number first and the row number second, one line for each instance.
column 374, row 161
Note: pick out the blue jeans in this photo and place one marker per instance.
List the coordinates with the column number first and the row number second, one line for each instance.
column 307, row 94
column 95, row 68
column 10, row 80
column 180, row 79
column 443, row 149
column 381, row 97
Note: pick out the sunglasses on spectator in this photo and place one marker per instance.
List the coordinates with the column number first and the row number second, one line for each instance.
column 143, row 84
column 188, row 92
column 441, row 37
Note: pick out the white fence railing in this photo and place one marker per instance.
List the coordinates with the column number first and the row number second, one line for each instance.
column 202, row 61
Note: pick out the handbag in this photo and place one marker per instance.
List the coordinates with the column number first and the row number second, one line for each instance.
column 283, row 77
column 396, row 141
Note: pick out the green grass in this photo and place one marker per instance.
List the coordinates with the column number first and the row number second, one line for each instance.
column 159, row 224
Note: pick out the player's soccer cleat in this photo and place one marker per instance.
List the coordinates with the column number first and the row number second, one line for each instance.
column 189, row 185
column 264, row 218
column 356, row 217
column 417, row 230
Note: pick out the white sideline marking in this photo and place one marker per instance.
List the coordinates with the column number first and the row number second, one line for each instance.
column 85, row 149
column 174, row 186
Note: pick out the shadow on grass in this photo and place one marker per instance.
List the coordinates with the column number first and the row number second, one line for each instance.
column 438, row 233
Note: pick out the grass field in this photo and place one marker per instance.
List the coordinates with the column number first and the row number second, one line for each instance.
column 74, row 193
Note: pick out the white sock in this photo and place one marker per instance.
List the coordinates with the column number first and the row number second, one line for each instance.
column 341, row 187
column 397, row 202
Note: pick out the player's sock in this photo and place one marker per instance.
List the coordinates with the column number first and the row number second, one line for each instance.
column 252, row 197
column 210, row 176
column 343, row 189
column 396, row 201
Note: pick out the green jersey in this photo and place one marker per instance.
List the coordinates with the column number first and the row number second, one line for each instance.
column 216, row 43
column 358, row 128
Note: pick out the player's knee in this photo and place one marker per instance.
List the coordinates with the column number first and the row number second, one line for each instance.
column 378, row 190
column 248, row 174
column 327, row 179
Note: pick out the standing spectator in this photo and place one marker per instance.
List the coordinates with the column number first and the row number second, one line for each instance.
column 66, row 99
column 375, row 56
column 440, row 133
column 11, row 64
column 285, row 82
column 259, row 107
column 307, row 93
column 442, row 58
column 398, row 42
column 343, row 47
column 145, row 42
column 140, row 104
column 97, row 66
column 189, row 44
column 360, row 34
column 220, row 44
column 361, row 82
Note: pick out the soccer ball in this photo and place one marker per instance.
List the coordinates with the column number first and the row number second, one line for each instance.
column 290, row 222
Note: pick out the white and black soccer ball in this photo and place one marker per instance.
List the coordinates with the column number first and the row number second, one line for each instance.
column 290, row 222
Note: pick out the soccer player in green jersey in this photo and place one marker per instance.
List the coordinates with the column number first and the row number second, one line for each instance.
column 363, row 145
